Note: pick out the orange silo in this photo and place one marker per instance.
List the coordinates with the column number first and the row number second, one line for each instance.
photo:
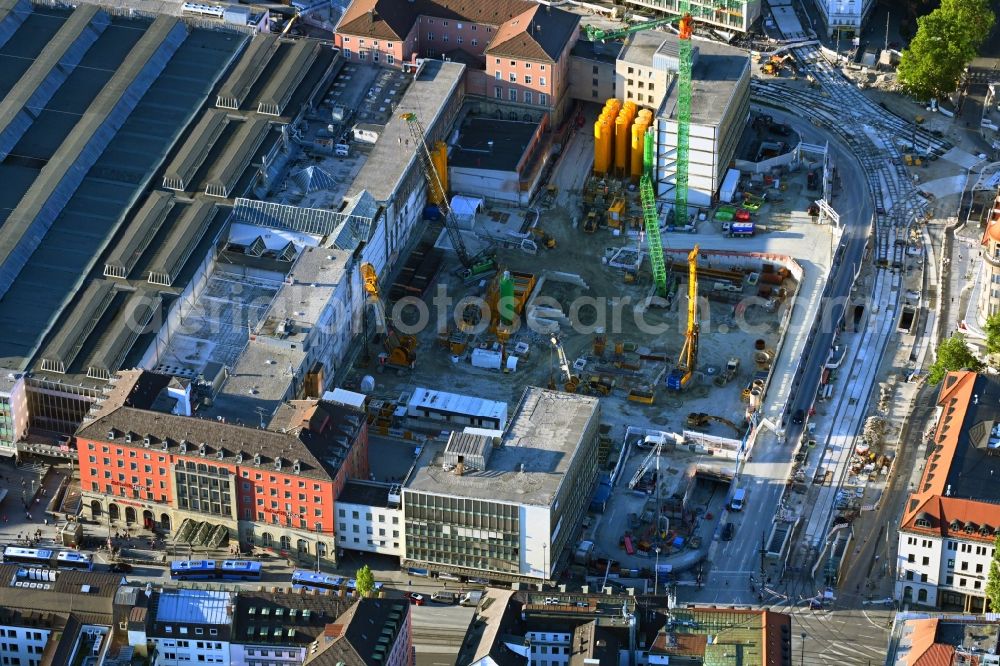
column 608, row 129
column 601, row 139
column 638, row 133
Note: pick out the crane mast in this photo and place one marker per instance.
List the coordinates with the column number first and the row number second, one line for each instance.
column 685, row 28
column 474, row 264
column 681, row 375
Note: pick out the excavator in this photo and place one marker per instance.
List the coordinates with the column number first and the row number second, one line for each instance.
column 400, row 350
column 681, row 375
column 702, row 420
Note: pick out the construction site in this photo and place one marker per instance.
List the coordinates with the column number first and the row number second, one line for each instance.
column 592, row 289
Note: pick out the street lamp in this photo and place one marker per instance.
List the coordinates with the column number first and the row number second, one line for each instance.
column 656, row 571
column 802, row 649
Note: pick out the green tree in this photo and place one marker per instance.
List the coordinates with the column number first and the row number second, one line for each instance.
column 365, row 581
column 993, row 582
column 992, row 329
column 953, row 354
column 947, row 40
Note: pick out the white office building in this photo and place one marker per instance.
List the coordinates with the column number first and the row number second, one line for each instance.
column 846, row 16
column 190, row 626
column 505, row 507
column 370, row 518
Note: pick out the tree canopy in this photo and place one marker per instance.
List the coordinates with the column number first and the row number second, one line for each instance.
column 947, row 40
column 953, row 354
column 992, row 329
column 365, row 581
column 993, row 582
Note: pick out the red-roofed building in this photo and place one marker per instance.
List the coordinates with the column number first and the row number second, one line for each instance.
column 205, row 481
column 952, row 518
column 516, row 52
column 989, row 292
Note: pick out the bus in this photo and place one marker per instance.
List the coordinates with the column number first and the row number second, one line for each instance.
column 33, row 557
column 209, row 569
column 69, row 559
column 319, row 582
column 50, row 559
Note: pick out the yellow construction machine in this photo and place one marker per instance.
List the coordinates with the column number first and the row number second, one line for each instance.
column 400, row 350
column 681, row 375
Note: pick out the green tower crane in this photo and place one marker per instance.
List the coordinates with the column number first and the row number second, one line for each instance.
column 650, row 220
column 595, row 34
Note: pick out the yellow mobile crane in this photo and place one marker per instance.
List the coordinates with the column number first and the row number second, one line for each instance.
column 571, row 382
column 681, row 375
column 400, row 350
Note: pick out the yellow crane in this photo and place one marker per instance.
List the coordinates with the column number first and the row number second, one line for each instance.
column 400, row 350
column 681, row 375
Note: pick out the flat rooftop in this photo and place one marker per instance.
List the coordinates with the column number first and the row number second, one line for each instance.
column 426, row 96
column 367, row 493
column 606, row 52
column 488, row 143
column 193, row 607
column 715, row 74
column 544, row 435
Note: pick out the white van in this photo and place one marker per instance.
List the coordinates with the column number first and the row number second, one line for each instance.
column 739, row 499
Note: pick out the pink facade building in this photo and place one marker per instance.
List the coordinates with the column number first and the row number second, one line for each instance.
column 516, row 52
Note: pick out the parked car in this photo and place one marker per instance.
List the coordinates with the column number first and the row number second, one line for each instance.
column 121, row 567
column 415, row 599
column 727, row 532
column 799, row 417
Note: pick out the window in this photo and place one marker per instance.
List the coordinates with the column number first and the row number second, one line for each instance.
column 430, row 36
column 445, row 23
column 361, row 55
column 513, row 63
column 458, row 25
column 444, row 37
column 594, row 69
column 949, row 580
column 527, row 80
column 630, row 70
column 512, row 94
column 979, row 568
column 473, row 28
column 497, row 92
column 513, row 77
column 911, row 558
column 342, row 513
column 964, row 566
column 649, row 98
column 475, row 42
column 458, row 39
column 925, row 561
column 374, row 56
column 543, row 99
column 951, row 564
column 527, row 97
column 390, row 59
column 388, row 45
column 541, row 67
column 498, row 75
column 541, row 80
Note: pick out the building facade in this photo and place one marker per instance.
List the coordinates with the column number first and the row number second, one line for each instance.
column 989, row 279
column 947, row 535
column 504, row 508
column 370, row 518
column 725, row 15
column 516, row 54
column 273, row 488
column 848, row 17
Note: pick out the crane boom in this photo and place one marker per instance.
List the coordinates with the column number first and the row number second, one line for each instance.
column 475, row 264
column 595, row 34
column 685, row 28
